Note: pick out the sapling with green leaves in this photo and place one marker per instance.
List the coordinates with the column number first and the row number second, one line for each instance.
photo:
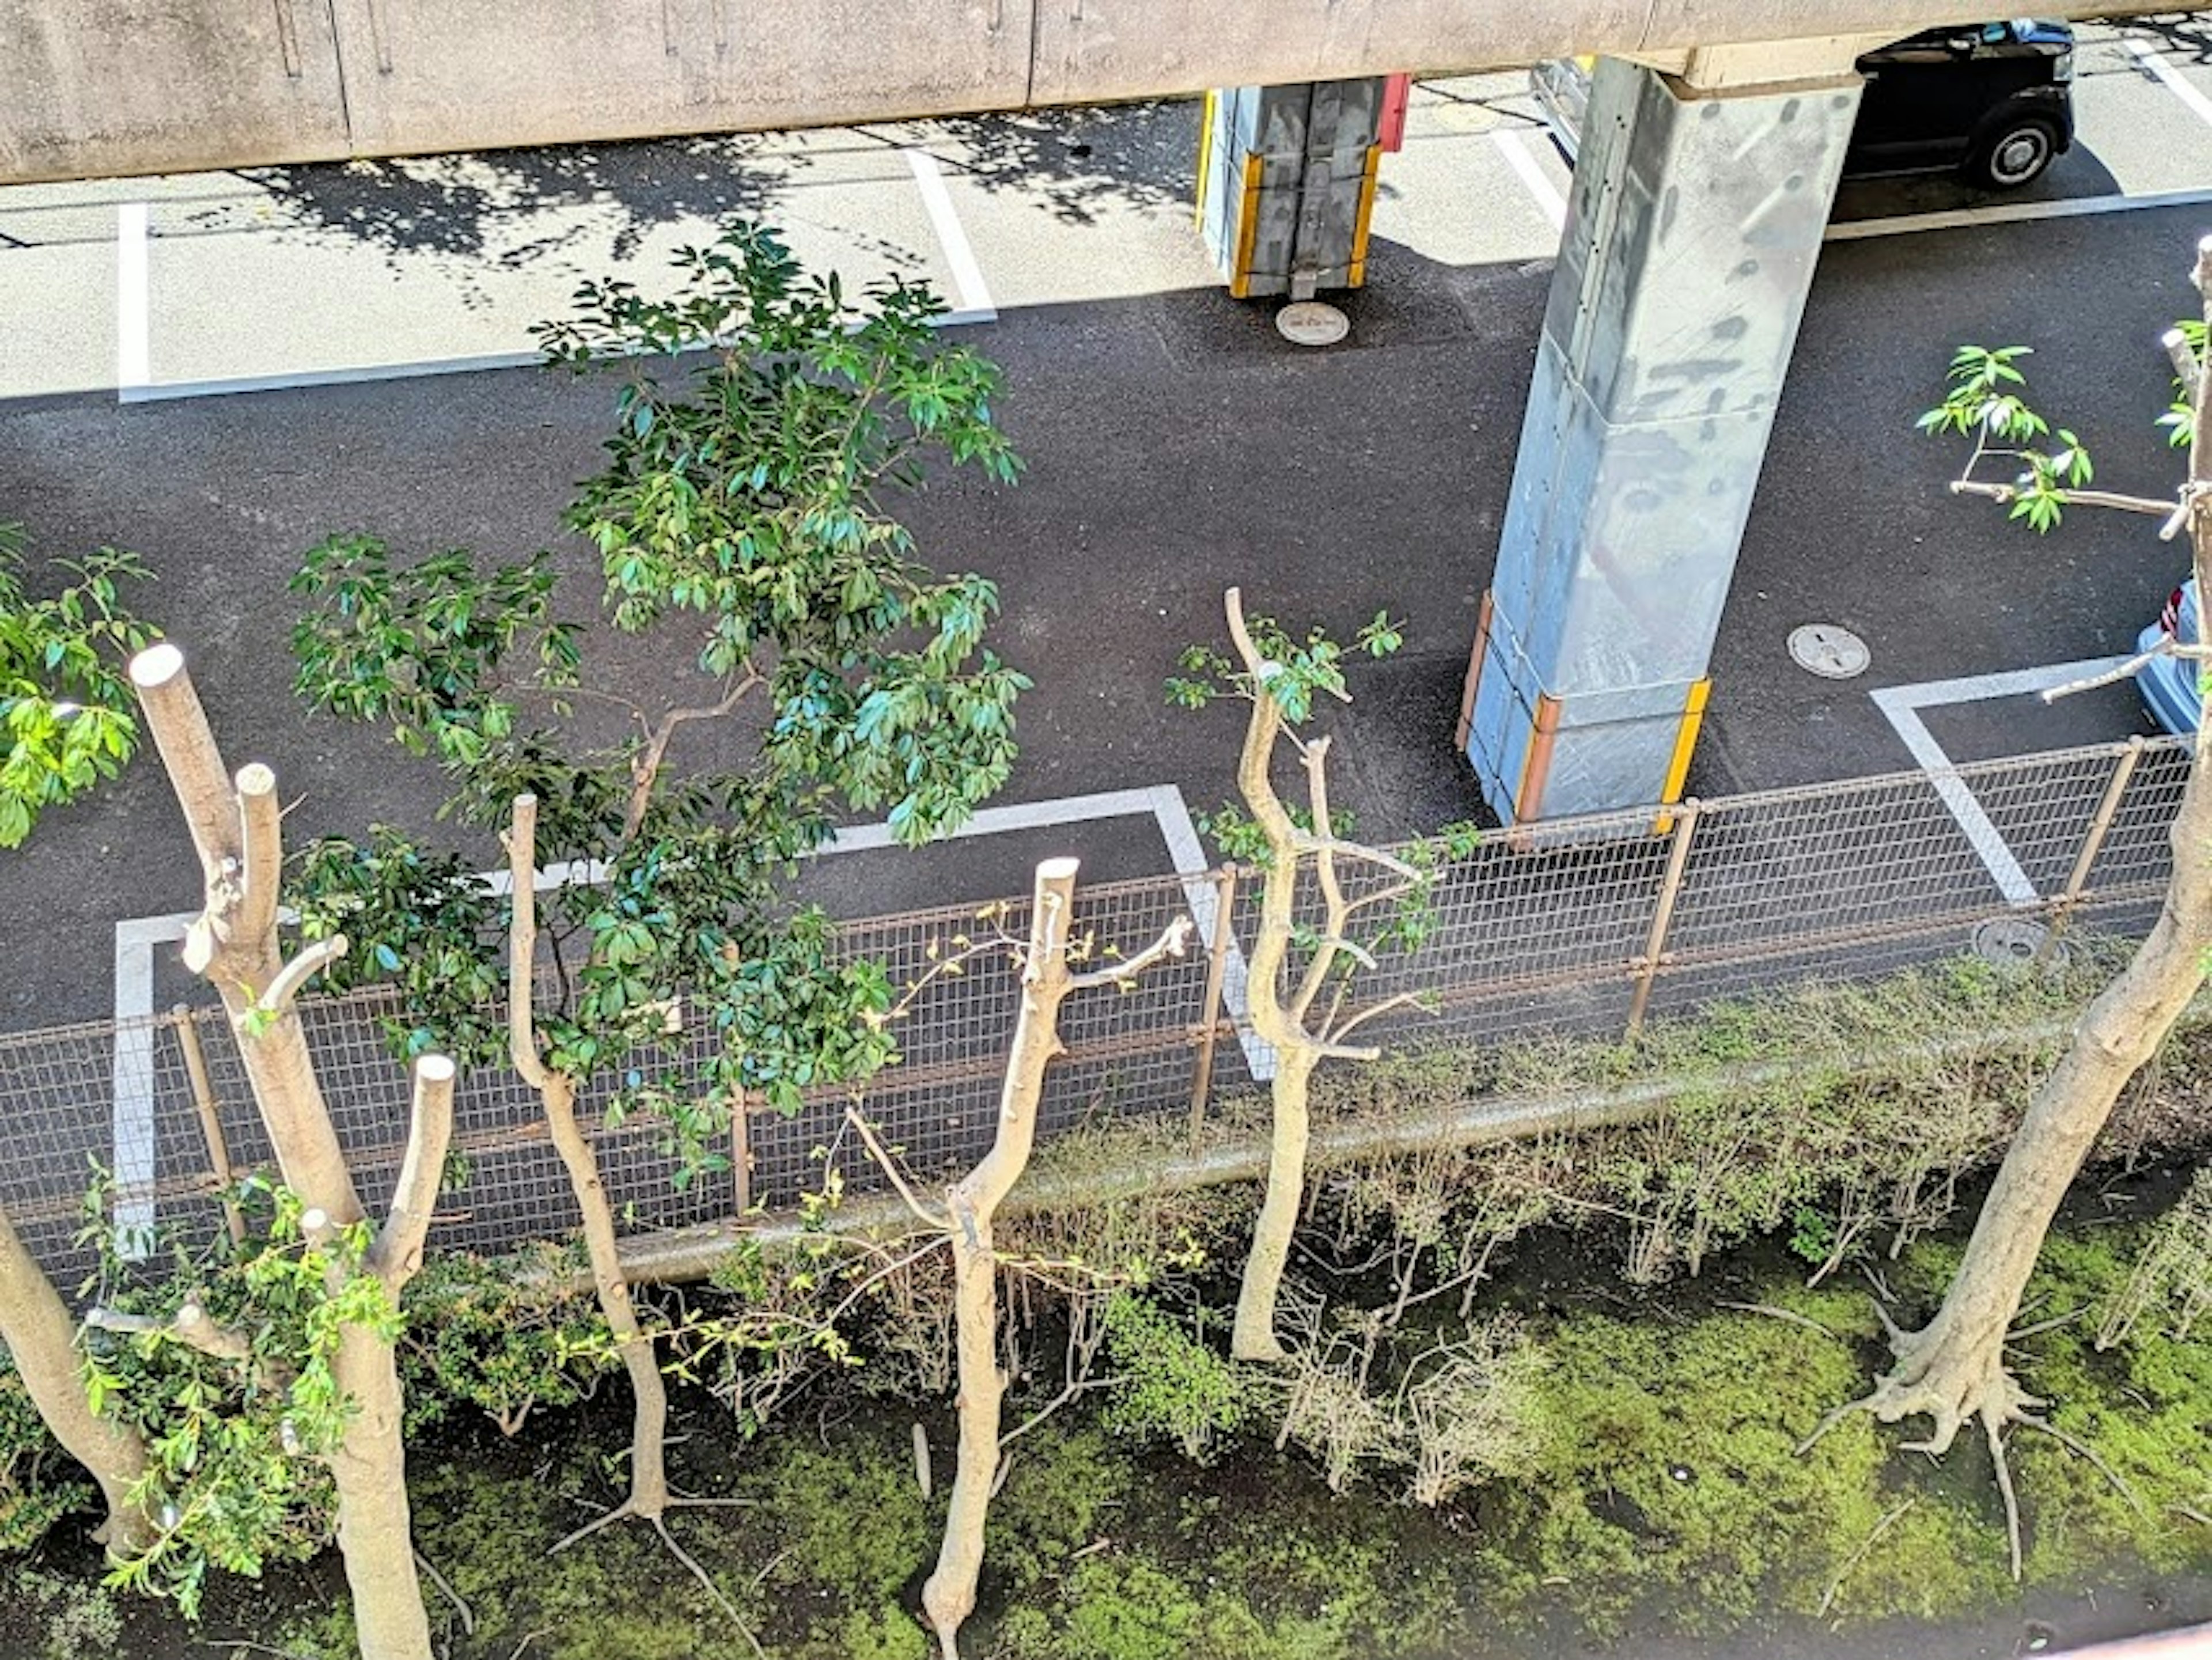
column 739, row 526
column 1955, row 1371
column 1299, row 980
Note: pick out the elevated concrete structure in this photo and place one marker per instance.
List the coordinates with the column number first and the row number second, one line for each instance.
column 1693, row 230
column 90, row 87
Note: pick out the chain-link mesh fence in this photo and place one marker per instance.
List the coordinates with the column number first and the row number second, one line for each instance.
column 1581, row 926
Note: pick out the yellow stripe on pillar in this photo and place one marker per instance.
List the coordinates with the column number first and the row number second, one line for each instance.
column 1247, row 228
column 1358, row 275
column 1685, row 740
column 1205, row 154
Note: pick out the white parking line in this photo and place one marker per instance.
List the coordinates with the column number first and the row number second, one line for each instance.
column 2170, row 77
column 136, row 940
column 967, row 275
column 2013, row 213
column 134, row 326
column 1903, row 704
column 1549, row 202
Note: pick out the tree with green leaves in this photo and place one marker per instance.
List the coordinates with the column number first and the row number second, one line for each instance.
column 1954, row 1371
column 67, row 715
column 740, row 523
column 65, row 704
column 1299, row 980
column 335, row 1277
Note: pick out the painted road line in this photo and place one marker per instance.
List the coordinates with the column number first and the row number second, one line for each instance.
column 144, row 392
column 1902, row 706
column 2013, row 213
column 967, row 275
column 1549, row 202
column 2170, row 77
column 136, row 940
column 134, row 320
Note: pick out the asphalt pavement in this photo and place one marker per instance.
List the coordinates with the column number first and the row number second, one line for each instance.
column 1175, row 445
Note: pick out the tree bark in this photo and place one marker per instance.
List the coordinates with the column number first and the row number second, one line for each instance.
column 648, row 1437
column 949, row 1594
column 233, row 944
column 1952, row 1370
column 41, row 1339
column 1253, row 1336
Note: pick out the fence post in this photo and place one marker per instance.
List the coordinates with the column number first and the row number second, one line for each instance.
column 1224, row 902
column 741, row 1151
column 218, row 1150
column 1670, row 887
column 2092, row 841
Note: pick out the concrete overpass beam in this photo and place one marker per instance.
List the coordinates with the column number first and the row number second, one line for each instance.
column 1692, row 229
column 1286, row 184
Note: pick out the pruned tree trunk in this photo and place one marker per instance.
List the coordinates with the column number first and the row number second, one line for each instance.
column 949, row 1594
column 233, row 944
column 648, row 1466
column 41, row 1339
column 1287, row 1022
column 1952, row 1370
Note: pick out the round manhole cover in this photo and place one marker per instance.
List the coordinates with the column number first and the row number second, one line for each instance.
column 1312, row 323
column 1831, row 651
column 2016, row 942
column 1459, row 116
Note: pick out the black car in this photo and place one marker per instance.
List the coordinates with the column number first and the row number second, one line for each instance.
column 1994, row 100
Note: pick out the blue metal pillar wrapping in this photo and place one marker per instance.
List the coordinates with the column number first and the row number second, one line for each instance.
column 1693, row 230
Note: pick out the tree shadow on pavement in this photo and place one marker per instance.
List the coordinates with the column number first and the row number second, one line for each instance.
column 461, row 205
column 1083, row 162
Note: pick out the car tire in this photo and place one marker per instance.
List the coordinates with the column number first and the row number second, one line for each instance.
column 2013, row 152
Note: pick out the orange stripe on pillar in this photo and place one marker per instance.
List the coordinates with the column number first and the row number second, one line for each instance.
column 1537, row 768
column 1474, row 672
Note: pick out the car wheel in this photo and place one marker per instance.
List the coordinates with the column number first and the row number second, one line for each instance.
column 2014, row 155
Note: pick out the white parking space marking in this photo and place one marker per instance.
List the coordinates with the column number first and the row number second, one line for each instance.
column 967, row 276
column 2013, row 213
column 134, row 323
column 1515, row 148
column 170, row 390
column 136, row 940
column 2170, row 78
column 1903, row 704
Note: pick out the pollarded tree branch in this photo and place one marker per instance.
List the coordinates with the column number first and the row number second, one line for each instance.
column 260, row 818
column 938, row 1220
column 397, row 1252
column 521, row 839
column 1259, row 734
column 1403, row 1000
column 1174, row 941
column 2186, row 369
column 313, row 958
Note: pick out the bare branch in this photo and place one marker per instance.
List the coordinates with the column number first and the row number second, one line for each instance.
column 521, row 839
column 1319, row 844
column 2073, row 498
column 2126, row 670
column 397, row 1252
column 260, row 818
column 313, row 959
column 190, row 1326
column 1403, row 1000
column 939, row 1221
column 646, row 771
column 1174, row 941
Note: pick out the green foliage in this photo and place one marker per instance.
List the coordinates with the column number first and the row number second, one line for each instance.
column 65, row 700
column 1293, row 671
column 1173, row 1386
column 481, row 1334
column 1987, row 400
column 37, row 1484
column 741, row 512
column 2179, row 420
column 422, row 650
column 235, row 1441
column 75, row 1621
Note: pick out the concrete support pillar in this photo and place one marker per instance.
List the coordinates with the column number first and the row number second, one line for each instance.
column 1693, row 230
column 1286, row 184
